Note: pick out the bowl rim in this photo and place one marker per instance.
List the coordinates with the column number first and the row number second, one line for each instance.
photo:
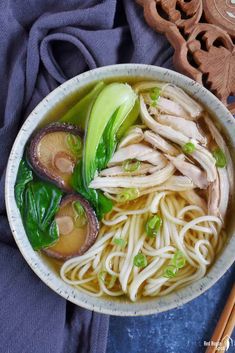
column 34, row 259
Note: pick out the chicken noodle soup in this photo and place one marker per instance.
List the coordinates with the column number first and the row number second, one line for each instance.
column 128, row 190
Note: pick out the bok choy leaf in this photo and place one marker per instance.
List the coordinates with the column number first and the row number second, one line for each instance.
column 38, row 202
column 79, row 113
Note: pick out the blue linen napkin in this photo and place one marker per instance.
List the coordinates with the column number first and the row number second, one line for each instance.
column 42, row 44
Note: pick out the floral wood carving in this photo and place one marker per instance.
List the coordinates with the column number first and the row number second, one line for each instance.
column 204, row 51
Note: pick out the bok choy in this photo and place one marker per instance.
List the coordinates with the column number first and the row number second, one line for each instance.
column 108, row 113
column 79, row 113
column 38, row 202
column 114, row 110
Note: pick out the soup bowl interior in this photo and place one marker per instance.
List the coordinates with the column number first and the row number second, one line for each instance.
column 40, row 264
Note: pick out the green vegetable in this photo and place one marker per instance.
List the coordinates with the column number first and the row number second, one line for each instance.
column 178, row 259
column 188, row 148
column 153, row 225
column 74, row 144
column 79, row 214
column 153, row 104
column 170, row 271
column 41, row 202
column 112, row 107
column 38, row 201
column 24, row 176
column 99, row 202
column 79, row 113
column 128, row 194
column 112, row 282
column 140, row 260
column 155, row 93
column 102, row 278
column 220, row 158
column 120, row 242
column 130, row 120
column 102, row 275
column 131, row 165
column 109, row 111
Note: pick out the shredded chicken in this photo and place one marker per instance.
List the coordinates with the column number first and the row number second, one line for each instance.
column 192, row 108
column 187, row 127
column 222, row 145
column 146, row 181
column 144, row 168
column 160, row 143
column 167, row 106
column 138, row 151
column 134, row 135
column 175, row 93
column 214, row 197
column 163, row 130
column 207, row 162
column 176, row 183
column 201, row 154
column 191, row 171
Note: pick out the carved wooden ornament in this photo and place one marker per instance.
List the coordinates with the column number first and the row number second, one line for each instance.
column 202, row 33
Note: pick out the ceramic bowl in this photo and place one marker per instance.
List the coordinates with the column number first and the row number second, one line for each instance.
column 42, row 267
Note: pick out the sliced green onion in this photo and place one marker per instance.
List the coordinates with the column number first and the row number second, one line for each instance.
column 102, row 278
column 80, row 215
column 220, row 158
column 102, row 275
column 155, row 93
column 140, row 260
column 128, row 195
column 120, row 242
column 112, row 282
column 178, row 259
column 170, row 271
column 153, row 225
column 153, row 104
column 188, row 148
column 131, row 165
column 74, row 144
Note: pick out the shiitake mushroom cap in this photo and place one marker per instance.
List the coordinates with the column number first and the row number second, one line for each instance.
column 47, row 172
column 59, row 250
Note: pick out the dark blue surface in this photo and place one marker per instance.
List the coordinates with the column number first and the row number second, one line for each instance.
column 181, row 330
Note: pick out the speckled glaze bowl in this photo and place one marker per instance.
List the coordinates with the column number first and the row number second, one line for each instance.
column 39, row 263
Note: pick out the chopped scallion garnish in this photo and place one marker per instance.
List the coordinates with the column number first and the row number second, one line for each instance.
column 153, row 225
column 112, row 282
column 131, row 165
column 128, row 195
column 220, row 158
column 188, row 148
column 79, row 214
column 178, row 259
column 102, row 278
column 140, row 260
column 155, row 93
column 170, row 271
column 120, row 242
column 74, row 144
column 102, row 275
